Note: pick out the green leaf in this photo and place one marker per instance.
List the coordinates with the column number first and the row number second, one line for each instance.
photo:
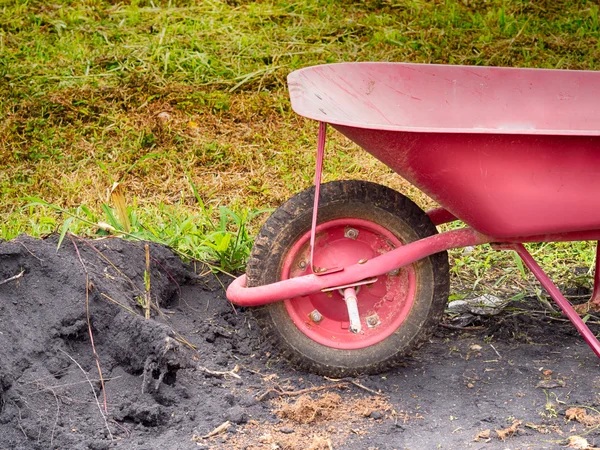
column 63, row 231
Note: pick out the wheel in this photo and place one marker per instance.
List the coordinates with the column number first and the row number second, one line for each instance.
column 357, row 220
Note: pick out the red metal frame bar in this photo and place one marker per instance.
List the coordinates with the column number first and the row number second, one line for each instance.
column 440, row 216
column 241, row 295
column 318, row 172
column 556, row 295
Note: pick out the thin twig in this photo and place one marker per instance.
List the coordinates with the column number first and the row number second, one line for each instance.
column 179, row 338
column 494, row 348
column 168, row 274
column 220, row 429
column 89, row 323
column 126, row 308
column 16, row 277
column 56, row 418
column 61, row 386
column 147, row 284
column 20, row 420
column 458, row 327
column 360, row 386
column 31, row 253
column 93, row 392
column 133, row 285
column 220, row 374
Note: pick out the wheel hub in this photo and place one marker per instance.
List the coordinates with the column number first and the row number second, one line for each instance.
column 381, row 305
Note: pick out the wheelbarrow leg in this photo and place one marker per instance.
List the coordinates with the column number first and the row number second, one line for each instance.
column 556, row 295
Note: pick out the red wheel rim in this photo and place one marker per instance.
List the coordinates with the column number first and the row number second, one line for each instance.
column 385, row 304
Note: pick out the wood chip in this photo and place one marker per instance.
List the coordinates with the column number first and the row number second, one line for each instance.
column 220, row 429
column 510, row 431
column 482, row 436
column 575, row 414
column 579, row 442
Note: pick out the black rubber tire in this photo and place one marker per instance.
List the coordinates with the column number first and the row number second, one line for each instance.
column 354, row 199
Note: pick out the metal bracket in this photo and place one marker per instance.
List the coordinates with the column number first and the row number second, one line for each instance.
column 318, row 172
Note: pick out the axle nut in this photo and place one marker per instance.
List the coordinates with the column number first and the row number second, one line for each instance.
column 351, row 233
column 372, row 320
column 316, row 316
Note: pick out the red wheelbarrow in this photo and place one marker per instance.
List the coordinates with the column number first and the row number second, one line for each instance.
column 351, row 276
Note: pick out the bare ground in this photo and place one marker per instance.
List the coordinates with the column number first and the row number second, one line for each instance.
column 198, row 375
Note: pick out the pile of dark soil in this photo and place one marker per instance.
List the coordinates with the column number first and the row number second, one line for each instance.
column 197, row 374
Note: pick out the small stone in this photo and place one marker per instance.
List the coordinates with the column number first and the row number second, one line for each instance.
column 265, row 439
column 164, row 116
column 376, row 415
column 248, row 400
column 229, row 398
column 286, row 430
column 458, row 307
column 484, row 305
column 237, row 415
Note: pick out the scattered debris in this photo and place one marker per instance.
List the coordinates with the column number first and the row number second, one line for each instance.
column 281, row 392
column 232, row 373
column 510, row 431
column 483, row 436
column 580, row 415
column 484, row 305
column 580, row 443
column 220, row 429
column 550, row 384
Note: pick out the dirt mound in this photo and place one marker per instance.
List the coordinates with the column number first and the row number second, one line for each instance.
column 46, row 330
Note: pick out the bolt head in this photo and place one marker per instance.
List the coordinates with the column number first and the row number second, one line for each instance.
column 351, row 233
column 316, row 316
column 372, row 320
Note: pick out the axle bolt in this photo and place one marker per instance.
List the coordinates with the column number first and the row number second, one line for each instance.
column 302, row 265
column 372, row 320
column 351, row 233
column 394, row 272
column 316, row 316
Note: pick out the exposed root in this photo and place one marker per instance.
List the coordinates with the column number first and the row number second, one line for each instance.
column 232, row 372
column 16, row 277
column 93, row 392
column 89, row 323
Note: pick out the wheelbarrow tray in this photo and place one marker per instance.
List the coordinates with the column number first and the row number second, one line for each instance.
column 510, row 152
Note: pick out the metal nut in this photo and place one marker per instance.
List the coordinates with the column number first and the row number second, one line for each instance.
column 351, row 233
column 316, row 316
column 372, row 320
column 302, row 265
column 394, row 272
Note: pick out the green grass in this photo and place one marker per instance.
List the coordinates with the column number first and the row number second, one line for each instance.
column 185, row 104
